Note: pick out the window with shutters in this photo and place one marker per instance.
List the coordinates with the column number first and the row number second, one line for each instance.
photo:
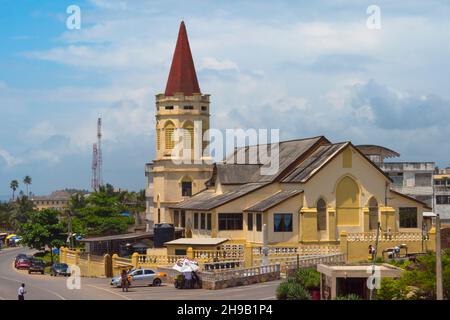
column 169, row 136
column 188, row 136
column 158, row 139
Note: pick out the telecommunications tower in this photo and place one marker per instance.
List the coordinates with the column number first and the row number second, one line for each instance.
column 97, row 159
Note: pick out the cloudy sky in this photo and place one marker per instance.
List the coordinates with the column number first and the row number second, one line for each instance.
column 306, row 67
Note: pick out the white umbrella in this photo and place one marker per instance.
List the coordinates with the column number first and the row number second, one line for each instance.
column 185, row 265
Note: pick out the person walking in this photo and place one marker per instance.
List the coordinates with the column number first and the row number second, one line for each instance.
column 188, row 279
column 124, row 280
column 21, row 292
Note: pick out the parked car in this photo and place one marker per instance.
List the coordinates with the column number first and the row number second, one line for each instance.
column 23, row 263
column 60, row 269
column 37, row 266
column 141, row 277
column 18, row 257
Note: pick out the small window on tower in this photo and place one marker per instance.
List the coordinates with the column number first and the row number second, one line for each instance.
column 186, row 188
column 188, row 107
column 204, row 108
column 169, row 107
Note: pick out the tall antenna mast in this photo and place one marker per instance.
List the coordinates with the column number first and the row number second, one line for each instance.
column 99, row 152
column 94, row 181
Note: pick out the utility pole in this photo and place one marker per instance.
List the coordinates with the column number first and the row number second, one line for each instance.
column 374, row 259
column 439, row 291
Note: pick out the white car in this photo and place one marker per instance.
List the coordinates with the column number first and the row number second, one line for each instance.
column 141, row 277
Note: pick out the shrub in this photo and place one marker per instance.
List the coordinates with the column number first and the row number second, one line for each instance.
column 292, row 290
column 309, row 278
column 391, row 289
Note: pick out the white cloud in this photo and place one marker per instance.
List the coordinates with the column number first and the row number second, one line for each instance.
column 9, row 159
column 213, row 64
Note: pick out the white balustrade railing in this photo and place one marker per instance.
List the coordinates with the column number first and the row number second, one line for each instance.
column 304, row 262
column 221, row 275
column 385, row 236
column 297, row 250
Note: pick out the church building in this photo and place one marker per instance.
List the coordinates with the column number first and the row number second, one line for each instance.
column 321, row 189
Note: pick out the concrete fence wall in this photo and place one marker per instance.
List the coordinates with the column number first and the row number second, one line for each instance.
column 356, row 245
column 90, row 266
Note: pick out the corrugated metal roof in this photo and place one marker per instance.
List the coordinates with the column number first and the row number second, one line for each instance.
column 273, row 200
column 208, row 199
column 197, row 241
column 314, row 162
column 229, row 172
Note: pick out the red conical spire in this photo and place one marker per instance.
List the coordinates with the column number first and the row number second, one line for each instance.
column 182, row 76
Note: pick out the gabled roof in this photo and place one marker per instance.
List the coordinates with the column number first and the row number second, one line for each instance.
column 318, row 160
column 411, row 198
column 182, row 76
column 289, row 153
column 273, row 200
column 208, row 199
column 315, row 162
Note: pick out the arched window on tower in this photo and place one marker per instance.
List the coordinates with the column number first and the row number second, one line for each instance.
column 169, row 130
column 373, row 214
column 188, row 136
column 158, row 138
column 321, row 215
column 186, row 187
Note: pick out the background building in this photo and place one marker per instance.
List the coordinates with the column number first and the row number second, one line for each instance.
column 414, row 179
column 442, row 193
column 57, row 200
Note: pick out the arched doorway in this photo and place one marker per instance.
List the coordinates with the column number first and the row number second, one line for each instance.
column 347, row 202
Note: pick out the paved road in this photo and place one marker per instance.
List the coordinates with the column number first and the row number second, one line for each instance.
column 45, row 287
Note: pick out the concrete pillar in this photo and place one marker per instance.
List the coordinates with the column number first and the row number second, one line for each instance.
column 366, row 218
column 343, row 245
column 265, row 257
column 135, row 260
column 107, row 265
column 62, row 255
column 113, row 261
column 332, row 224
column 333, row 287
column 190, row 253
column 248, row 256
column 89, row 268
column 431, row 243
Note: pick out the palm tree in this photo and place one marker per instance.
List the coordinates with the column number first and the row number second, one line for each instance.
column 14, row 185
column 27, row 182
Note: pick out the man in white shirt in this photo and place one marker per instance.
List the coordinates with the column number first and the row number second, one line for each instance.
column 21, row 292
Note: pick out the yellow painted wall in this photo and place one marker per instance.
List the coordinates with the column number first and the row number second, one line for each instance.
column 397, row 201
column 292, row 206
column 348, row 202
column 324, row 184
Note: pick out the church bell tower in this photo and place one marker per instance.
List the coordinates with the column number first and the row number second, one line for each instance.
column 181, row 106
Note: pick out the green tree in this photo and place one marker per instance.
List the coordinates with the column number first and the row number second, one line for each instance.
column 27, row 181
column 43, row 229
column 77, row 201
column 14, row 185
column 418, row 281
column 20, row 210
column 5, row 216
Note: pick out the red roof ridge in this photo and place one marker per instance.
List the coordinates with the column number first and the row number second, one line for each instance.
column 182, row 76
